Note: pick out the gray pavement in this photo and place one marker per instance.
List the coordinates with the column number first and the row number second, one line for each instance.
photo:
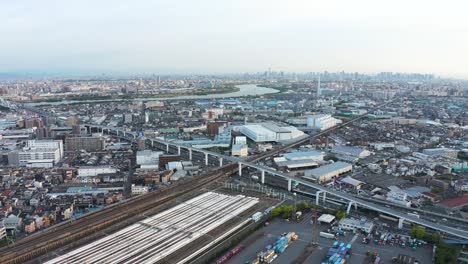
column 267, row 235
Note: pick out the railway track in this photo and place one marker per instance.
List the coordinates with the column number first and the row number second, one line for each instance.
column 57, row 236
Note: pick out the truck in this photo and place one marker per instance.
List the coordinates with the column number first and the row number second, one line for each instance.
column 338, row 253
column 298, row 215
column 413, row 215
column 272, row 251
column 327, row 235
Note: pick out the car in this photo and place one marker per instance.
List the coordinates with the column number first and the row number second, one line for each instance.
column 444, row 219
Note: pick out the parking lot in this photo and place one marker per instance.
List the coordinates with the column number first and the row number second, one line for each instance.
column 297, row 250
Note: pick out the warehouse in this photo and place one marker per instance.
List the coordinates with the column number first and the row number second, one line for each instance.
column 348, row 153
column 268, row 132
column 157, row 237
column 304, row 155
column 327, row 172
column 297, row 164
column 356, row 224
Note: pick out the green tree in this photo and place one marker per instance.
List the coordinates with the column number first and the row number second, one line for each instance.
column 276, row 211
column 435, row 238
column 283, row 211
column 302, row 206
column 445, row 254
column 340, row 214
column 418, row 232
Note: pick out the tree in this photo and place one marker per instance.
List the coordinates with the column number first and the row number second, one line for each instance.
column 418, row 232
column 445, row 254
column 283, row 210
column 302, row 206
column 435, row 238
column 340, row 214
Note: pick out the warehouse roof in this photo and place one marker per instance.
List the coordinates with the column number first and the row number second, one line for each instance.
column 297, row 163
column 275, row 128
column 326, row 218
column 329, row 168
column 299, row 154
column 355, row 151
column 352, row 181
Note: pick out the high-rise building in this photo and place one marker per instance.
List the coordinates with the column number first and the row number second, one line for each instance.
column 321, row 122
column 128, row 118
column 91, row 144
column 319, row 90
column 213, row 127
column 37, row 153
column 72, row 121
column 76, row 130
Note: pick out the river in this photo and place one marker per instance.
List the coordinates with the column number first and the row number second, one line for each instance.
column 244, row 90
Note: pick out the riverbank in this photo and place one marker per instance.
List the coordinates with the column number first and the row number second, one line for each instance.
column 239, row 91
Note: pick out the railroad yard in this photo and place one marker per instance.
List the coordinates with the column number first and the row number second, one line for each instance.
column 157, row 237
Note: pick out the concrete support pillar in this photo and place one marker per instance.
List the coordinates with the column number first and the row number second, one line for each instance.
column 220, row 162
column 152, row 143
column 289, row 185
column 263, row 177
column 240, row 169
column 178, row 150
column 167, row 148
column 124, row 134
column 206, row 159
column 317, row 197
column 190, row 154
column 400, row 223
column 349, row 206
column 324, row 196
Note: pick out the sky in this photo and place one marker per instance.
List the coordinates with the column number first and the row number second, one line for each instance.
column 233, row 36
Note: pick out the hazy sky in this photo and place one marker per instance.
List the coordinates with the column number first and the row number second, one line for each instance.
column 220, row 36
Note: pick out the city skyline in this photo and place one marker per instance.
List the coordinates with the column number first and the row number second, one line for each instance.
column 117, row 37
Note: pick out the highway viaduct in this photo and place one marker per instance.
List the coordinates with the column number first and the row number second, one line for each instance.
column 320, row 190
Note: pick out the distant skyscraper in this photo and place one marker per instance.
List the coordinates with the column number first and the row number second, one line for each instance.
column 319, row 91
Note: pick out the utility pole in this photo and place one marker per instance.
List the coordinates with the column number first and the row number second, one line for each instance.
column 294, row 210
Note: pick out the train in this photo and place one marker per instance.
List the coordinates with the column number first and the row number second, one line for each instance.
column 224, row 258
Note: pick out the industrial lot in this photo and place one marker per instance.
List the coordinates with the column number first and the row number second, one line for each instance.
column 320, row 168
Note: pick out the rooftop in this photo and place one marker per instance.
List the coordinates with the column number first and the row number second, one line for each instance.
column 455, row 202
column 330, row 168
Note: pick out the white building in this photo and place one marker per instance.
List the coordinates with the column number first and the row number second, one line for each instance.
column 267, row 132
column 240, row 148
column 398, row 196
column 92, row 171
column 321, row 122
column 352, row 224
column 148, row 157
column 138, row 189
column 38, row 154
column 327, row 172
column 348, row 153
column 304, row 155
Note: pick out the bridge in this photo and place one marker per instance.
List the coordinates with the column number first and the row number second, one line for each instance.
column 242, row 163
column 321, row 190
